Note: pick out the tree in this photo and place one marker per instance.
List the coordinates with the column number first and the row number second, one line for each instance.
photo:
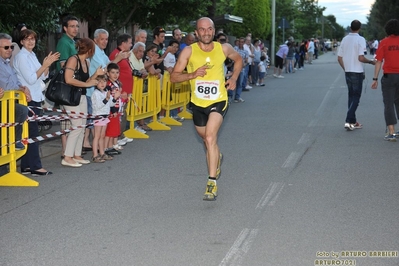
column 39, row 15
column 286, row 9
column 308, row 14
column 333, row 30
column 381, row 11
column 256, row 18
column 116, row 14
column 374, row 29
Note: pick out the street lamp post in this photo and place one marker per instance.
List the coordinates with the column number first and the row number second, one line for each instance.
column 272, row 50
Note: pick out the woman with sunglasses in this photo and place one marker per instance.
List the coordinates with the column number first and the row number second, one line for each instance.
column 31, row 74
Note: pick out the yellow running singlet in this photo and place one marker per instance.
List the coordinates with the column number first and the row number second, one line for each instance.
column 210, row 88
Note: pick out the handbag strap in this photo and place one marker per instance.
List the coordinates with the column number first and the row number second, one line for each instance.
column 78, row 65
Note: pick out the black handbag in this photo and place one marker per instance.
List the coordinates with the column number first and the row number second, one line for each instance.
column 62, row 93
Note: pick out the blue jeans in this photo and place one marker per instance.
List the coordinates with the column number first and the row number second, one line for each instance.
column 31, row 158
column 239, row 84
column 173, row 112
column 355, row 83
column 245, row 77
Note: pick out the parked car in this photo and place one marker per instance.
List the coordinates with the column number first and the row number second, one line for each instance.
column 328, row 45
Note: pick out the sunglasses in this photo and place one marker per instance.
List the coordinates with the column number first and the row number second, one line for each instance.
column 222, row 40
column 7, row 47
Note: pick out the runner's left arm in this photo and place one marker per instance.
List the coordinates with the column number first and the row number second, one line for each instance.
column 235, row 56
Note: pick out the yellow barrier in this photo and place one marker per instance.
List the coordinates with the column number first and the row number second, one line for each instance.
column 175, row 95
column 144, row 105
column 8, row 153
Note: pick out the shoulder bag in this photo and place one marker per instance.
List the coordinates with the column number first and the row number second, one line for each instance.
column 58, row 91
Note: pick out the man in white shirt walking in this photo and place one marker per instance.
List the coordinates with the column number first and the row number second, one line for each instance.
column 310, row 51
column 350, row 58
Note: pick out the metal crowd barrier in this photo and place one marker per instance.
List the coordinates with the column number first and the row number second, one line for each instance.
column 9, row 155
column 146, row 102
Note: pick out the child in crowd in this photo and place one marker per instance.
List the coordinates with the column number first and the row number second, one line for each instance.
column 101, row 102
column 169, row 63
column 113, row 128
column 262, row 70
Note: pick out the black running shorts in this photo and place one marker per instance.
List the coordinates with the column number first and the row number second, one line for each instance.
column 201, row 114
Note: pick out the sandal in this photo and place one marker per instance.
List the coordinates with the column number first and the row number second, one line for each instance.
column 106, row 157
column 98, row 159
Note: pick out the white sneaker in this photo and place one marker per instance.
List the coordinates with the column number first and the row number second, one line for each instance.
column 257, row 84
column 295, row 68
column 274, row 75
column 117, row 147
column 127, row 140
column 121, row 142
column 349, row 126
column 139, row 129
column 280, row 77
column 248, row 87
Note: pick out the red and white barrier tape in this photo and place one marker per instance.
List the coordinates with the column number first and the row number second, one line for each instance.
column 52, row 135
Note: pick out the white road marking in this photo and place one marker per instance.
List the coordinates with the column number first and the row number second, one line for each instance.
column 304, row 139
column 240, row 247
column 271, row 195
column 292, row 159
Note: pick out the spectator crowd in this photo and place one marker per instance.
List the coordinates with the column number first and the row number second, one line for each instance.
column 106, row 82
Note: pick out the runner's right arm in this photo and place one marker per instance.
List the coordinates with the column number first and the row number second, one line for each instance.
column 178, row 75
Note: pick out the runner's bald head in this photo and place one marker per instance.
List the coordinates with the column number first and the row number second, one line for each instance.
column 205, row 20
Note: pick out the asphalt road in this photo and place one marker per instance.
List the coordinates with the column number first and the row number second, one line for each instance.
column 296, row 189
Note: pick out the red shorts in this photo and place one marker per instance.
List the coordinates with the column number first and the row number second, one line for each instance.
column 113, row 127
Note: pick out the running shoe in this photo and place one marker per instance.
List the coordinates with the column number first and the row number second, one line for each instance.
column 239, row 100
column 139, row 129
column 218, row 170
column 390, row 137
column 349, row 126
column 19, row 146
column 127, row 140
column 121, row 142
column 211, row 191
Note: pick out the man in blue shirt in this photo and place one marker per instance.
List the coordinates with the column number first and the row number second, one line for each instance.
column 8, row 82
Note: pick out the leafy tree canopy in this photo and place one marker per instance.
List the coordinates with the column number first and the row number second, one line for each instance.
column 40, row 15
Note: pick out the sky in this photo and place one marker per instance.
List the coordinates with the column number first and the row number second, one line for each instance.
column 347, row 10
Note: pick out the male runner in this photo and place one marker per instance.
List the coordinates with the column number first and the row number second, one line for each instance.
column 205, row 70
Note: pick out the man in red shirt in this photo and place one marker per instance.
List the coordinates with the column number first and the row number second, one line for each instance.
column 388, row 52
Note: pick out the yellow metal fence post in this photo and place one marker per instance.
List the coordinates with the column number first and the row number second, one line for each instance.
column 8, row 153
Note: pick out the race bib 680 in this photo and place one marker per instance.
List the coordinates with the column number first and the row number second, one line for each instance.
column 207, row 89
